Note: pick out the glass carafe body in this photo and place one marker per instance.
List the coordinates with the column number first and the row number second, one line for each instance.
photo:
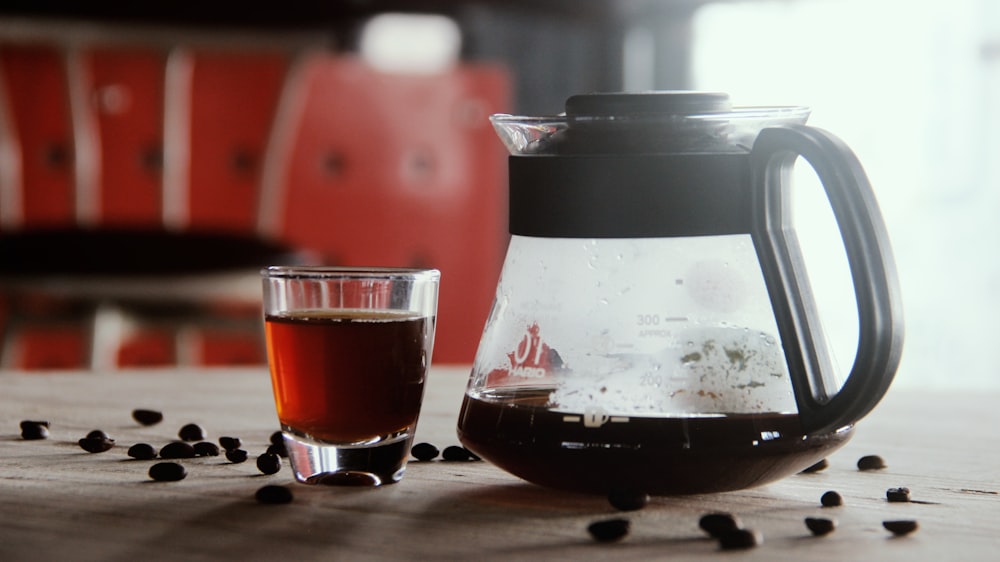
column 634, row 341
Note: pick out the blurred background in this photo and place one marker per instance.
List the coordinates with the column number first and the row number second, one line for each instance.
column 152, row 158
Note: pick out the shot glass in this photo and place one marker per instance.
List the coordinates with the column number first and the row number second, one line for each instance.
column 348, row 350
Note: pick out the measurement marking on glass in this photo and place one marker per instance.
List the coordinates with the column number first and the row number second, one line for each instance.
column 612, row 419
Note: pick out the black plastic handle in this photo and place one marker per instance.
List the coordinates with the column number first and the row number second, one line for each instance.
column 876, row 287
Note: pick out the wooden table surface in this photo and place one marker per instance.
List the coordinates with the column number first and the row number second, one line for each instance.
column 59, row 502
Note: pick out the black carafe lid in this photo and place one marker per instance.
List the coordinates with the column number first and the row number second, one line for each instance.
column 645, row 105
column 642, row 123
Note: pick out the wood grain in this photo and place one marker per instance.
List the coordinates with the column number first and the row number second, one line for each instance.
column 60, row 503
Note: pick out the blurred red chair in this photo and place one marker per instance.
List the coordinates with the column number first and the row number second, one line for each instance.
column 142, row 179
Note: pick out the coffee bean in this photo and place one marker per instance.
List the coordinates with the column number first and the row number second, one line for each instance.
column 900, row 527
column 279, row 450
column 457, row 453
column 269, row 463
column 424, row 451
column 273, row 494
column 31, row 431
column 147, row 417
column 96, row 444
column 98, row 434
column 609, row 530
column 206, row 449
column 191, row 432
column 871, row 462
column 230, row 443
column 821, row 465
column 740, row 538
column 718, row 524
column 277, row 438
column 820, row 526
column 626, row 499
column 142, row 451
column 236, row 456
column 831, row 499
column 177, row 450
column 167, row 472
column 900, row 495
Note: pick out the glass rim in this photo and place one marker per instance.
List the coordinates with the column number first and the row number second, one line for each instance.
column 738, row 113
column 347, row 272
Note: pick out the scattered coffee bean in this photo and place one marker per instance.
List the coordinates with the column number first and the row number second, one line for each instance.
column 718, row 524
column 820, row 526
column 821, row 465
column 230, row 443
column 177, row 450
column 147, row 417
column 424, row 451
column 274, row 494
column 142, row 451
column 457, row 453
column 900, row 495
column 900, row 527
column 279, row 450
column 740, row 538
column 236, row 456
column 96, row 444
column 831, row 499
column 98, row 434
column 871, row 462
column 167, row 472
column 269, row 463
column 626, row 499
column 609, row 530
column 277, row 438
column 31, row 431
column 206, row 449
column 191, row 432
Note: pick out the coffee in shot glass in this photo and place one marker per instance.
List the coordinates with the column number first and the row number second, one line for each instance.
column 349, row 350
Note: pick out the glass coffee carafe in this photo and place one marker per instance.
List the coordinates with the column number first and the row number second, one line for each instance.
column 653, row 327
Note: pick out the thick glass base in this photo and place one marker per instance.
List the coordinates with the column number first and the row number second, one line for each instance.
column 329, row 464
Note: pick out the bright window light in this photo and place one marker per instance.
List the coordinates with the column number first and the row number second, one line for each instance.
column 912, row 89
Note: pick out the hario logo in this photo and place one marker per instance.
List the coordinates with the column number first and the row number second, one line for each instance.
column 532, row 358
